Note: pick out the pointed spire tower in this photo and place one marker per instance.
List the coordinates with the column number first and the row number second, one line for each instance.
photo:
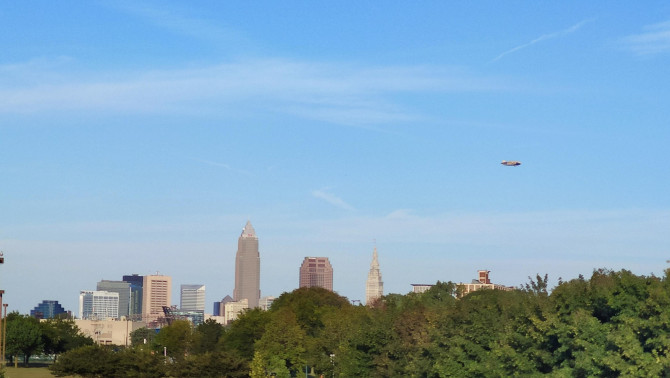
column 374, row 287
column 248, row 267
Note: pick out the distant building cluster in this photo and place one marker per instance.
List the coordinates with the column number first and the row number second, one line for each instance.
column 115, row 308
column 482, row 282
column 462, row 289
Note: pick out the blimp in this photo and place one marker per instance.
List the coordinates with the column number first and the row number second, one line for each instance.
column 511, row 163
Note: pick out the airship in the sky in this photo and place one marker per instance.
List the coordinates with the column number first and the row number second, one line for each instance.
column 510, row 163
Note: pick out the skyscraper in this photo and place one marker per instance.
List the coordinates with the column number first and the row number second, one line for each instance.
column 374, row 287
column 121, row 287
column 98, row 305
column 135, row 307
column 192, row 298
column 248, row 268
column 316, row 272
column 156, row 294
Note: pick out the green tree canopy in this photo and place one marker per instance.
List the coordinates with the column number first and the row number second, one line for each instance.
column 176, row 338
column 60, row 335
column 24, row 336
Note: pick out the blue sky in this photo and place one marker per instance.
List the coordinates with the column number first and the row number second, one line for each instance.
column 138, row 137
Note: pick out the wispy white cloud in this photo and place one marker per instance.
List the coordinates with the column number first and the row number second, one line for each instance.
column 338, row 93
column 332, row 199
column 542, row 38
column 654, row 40
column 180, row 20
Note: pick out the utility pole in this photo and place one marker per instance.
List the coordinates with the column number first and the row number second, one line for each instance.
column 4, row 334
column 3, row 320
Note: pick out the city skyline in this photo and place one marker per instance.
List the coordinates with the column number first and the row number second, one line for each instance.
column 139, row 137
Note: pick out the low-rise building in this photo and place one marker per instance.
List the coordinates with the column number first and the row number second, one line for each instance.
column 108, row 332
column 420, row 288
column 483, row 282
column 231, row 310
column 266, row 302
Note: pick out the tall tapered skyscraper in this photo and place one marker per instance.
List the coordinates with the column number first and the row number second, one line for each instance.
column 248, row 267
column 374, row 287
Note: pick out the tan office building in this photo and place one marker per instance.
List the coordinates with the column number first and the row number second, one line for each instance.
column 108, row 332
column 156, row 293
column 232, row 310
column 316, row 272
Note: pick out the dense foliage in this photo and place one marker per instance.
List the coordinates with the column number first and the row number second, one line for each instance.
column 613, row 324
column 27, row 336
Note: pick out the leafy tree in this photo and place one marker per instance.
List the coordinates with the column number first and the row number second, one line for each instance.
column 339, row 327
column 177, row 338
column 207, row 336
column 140, row 362
column 210, row 364
column 440, row 294
column 538, row 286
column 142, row 336
column 24, row 336
column 283, row 339
column 309, row 305
column 60, row 335
column 87, row 361
column 240, row 336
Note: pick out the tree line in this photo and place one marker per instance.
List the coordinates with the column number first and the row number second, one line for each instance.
column 27, row 336
column 613, row 324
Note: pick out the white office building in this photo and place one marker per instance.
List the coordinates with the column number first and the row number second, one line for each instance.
column 98, row 305
column 192, row 298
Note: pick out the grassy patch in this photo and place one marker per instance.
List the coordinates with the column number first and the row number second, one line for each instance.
column 29, row 372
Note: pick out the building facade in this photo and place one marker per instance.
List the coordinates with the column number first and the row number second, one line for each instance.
column 136, row 284
column 482, row 282
column 421, row 288
column 108, row 332
column 374, row 286
column 98, row 305
column 266, row 302
column 121, row 287
column 192, row 298
column 232, row 310
column 156, row 293
column 248, row 268
column 221, row 311
column 316, row 272
column 47, row 310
